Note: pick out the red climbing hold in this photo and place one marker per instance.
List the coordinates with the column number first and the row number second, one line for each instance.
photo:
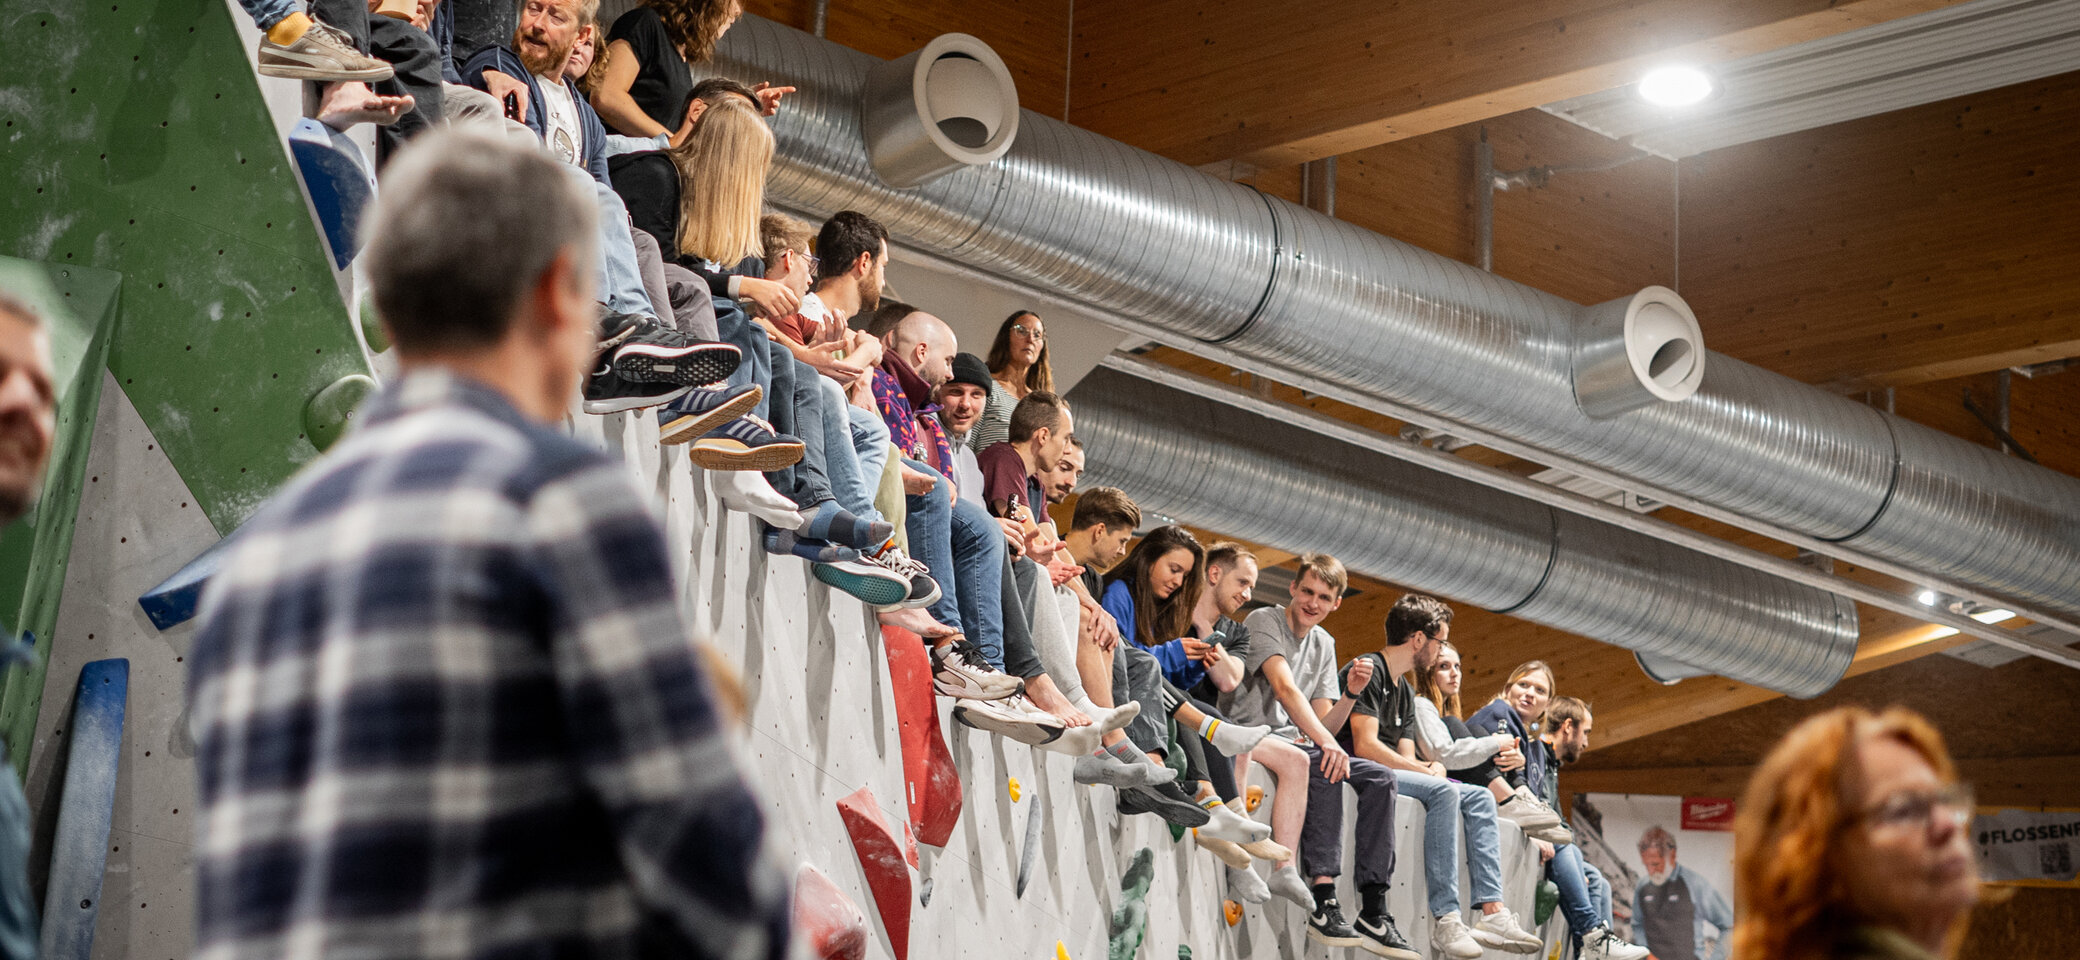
column 881, row 856
column 934, row 788
column 826, row 919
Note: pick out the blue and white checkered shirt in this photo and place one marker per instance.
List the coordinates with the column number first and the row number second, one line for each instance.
column 445, row 706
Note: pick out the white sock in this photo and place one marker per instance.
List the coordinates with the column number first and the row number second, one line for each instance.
column 746, row 491
column 1231, row 738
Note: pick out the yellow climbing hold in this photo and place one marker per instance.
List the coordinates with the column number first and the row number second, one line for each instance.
column 1014, row 789
column 1060, row 952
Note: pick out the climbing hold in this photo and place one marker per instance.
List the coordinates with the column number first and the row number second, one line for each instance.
column 326, row 416
column 929, row 778
column 1232, row 911
column 372, row 326
column 924, row 893
column 173, row 601
column 881, row 856
column 335, row 176
column 826, row 919
column 1253, row 797
column 1029, row 852
column 1060, row 952
column 1130, row 918
column 1184, row 952
column 1014, row 789
column 1176, row 833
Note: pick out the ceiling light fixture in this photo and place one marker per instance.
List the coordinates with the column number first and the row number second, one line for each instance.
column 1927, row 598
column 1676, row 86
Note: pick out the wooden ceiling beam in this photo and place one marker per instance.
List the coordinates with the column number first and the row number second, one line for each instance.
column 1203, row 81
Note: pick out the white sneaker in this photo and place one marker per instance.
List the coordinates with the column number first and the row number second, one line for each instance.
column 1013, row 718
column 1234, row 828
column 1532, row 816
column 958, row 670
column 1502, row 931
column 1227, row 851
column 924, row 591
column 1602, row 944
column 1245, row 886
column 1450, row 938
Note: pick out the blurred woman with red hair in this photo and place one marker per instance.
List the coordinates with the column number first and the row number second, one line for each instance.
column 1850, row 844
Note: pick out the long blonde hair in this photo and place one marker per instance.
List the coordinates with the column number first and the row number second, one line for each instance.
column 1523, row 670
column 722, row 182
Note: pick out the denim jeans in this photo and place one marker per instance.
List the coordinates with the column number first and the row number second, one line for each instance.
column 267, row 13
column 931, row 542
column 978, row 565
column 620, row 277
column 1585, row 896
column 733, row 327
column 1446, row 804
column 849, row 480
column 1321, row 834
column 870, row 443
column 797, row 405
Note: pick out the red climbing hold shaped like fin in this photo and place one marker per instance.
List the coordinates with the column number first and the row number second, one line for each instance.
column 881, row 856
column 826, row 919
column 929, row 779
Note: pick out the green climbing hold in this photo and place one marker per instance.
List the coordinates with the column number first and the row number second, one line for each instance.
column 1130, row 918
column 326, row 416
column 1176, row 833
column 1547, row 899
column 372, row 326
column 1184, row 952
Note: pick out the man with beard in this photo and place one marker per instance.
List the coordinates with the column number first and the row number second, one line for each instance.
column 28, row 425
column 1674, row 904
column 960, row 406
column 644, row 363
column 1382, row 729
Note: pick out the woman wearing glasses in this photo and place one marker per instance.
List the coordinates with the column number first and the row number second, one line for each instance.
column 1017, row 366
column 1851, row 844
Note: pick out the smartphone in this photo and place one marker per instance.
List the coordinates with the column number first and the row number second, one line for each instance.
column 513, row 106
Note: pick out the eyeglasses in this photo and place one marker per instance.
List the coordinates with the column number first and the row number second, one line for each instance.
column 1919, row 809
column 814, row 261
column 1030, row 333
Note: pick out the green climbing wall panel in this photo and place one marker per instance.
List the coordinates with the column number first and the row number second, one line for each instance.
column 136, row 141
column 79, row 306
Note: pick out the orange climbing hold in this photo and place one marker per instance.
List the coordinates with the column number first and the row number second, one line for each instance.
column 1232, row 911
column 1253, row 797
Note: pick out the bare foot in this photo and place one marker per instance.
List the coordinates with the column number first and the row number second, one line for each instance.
column 1045, row 695
column 920, row 623
column 346, row 104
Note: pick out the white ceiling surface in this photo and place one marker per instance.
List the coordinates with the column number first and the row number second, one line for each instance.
column 1076, row 338
column 1904, row 63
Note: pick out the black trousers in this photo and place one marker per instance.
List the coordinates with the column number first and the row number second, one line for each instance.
column 409, row 50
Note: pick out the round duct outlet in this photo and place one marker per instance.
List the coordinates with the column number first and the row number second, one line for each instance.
column 948, row 105
column 1636, row 351
column 1665, row 671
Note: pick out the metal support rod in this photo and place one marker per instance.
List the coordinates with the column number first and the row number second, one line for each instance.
column 2002, row 382
column 1318, row 186
column 2051, row 650
column 1506, row 482
column 1484, row 203
column 819, row 17
column 1993, row 424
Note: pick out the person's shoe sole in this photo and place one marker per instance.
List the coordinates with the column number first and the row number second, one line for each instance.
column 1134, row 800
column 624, row 404
column 693, row 366
column 865, row 588
column 966, row 691
column 290, row 71
column 1496, row 941
column 715, row 453
column 1030, row 734
column 693, row 426
column 1314, row 933
column 1378, row 949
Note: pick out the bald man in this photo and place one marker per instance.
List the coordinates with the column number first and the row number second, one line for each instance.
column 958, row 541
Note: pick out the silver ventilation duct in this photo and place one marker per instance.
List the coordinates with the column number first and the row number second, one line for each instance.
column 1178, row 254
column 1210, row 464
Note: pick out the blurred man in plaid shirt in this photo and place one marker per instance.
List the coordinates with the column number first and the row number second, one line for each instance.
column 444, row 701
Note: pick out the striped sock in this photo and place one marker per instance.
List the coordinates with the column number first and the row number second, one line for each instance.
column 1206, row 728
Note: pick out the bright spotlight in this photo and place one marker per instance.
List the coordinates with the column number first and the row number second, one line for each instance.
column 1993, row 616
column 1675, row 86
column 1926, row 597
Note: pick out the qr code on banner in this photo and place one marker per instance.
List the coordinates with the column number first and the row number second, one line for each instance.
column 2055, row 860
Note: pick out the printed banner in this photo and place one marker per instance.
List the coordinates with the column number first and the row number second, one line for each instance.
column 2027, row 846
column 1669, row 861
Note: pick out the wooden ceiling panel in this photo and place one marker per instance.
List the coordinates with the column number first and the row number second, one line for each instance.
column 1203, row 81
column 1031, row 35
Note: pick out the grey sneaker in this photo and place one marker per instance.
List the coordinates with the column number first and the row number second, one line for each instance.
column 322, row 53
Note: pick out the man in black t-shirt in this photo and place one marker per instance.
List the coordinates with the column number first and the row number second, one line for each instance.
column 1382, row 729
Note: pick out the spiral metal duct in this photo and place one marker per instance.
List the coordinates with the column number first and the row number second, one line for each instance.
column 1182, row 254
column 1206, row 463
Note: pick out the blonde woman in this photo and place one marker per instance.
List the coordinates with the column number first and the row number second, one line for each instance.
column 722, row 184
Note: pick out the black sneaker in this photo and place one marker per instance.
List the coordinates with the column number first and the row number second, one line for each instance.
column 609, row 392
column 1327, row 926
column 1378, row 936
column 1172, row 807
column 640, row 348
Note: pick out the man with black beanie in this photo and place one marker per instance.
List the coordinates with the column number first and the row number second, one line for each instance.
column 960, row 408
